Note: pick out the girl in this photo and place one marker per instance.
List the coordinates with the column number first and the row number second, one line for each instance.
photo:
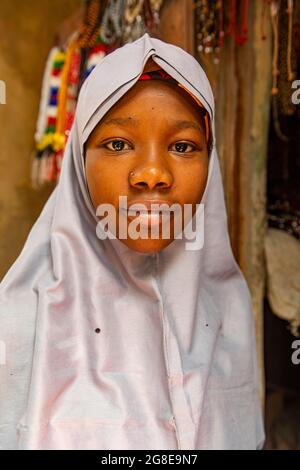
column 132, row 343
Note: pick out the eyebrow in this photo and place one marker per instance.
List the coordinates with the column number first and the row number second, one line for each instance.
column 129, row 121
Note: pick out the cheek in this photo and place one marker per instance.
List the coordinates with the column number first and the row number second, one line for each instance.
column 106, row 180
column 191, row 178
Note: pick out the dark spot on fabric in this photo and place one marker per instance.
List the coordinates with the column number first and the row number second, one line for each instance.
column 97, row 330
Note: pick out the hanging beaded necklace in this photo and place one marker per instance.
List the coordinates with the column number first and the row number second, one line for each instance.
column 134, row 24
column 210, row 27
column 111, row 26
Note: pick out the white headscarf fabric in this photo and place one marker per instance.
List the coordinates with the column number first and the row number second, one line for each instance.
column 174, row 365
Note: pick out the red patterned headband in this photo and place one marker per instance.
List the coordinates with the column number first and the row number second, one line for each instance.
column 160, row 74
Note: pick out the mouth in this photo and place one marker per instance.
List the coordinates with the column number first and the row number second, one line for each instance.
column 150, row 213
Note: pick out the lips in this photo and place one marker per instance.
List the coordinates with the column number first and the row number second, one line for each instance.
column 150, row 212
column 150, row 205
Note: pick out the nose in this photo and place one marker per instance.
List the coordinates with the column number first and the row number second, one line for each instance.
column 151, row 176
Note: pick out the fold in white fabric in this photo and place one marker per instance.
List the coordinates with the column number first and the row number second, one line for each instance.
column 174, row 364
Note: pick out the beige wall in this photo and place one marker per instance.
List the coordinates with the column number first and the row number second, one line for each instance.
column 26, row 35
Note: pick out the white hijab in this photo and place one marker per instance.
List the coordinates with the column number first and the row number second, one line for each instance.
column 174, row 365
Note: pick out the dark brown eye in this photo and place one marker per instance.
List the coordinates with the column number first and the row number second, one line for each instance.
column 181, row 147
column 117, row 145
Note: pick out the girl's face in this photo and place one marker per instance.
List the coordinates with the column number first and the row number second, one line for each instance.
column 150, row 146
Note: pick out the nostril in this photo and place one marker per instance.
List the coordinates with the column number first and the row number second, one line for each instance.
column 150, row 178
column 144, row 185
column 141, row 184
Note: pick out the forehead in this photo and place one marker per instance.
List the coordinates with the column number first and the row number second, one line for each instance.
column 158, row 92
